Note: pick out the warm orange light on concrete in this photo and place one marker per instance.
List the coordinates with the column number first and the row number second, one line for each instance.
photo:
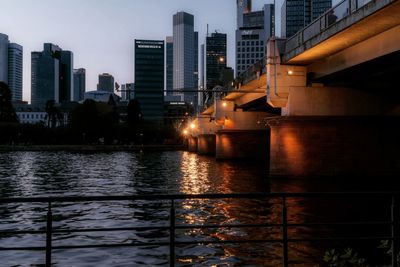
column 290, row 72
column 192, row 126
column 224, row 104
column 185, row 132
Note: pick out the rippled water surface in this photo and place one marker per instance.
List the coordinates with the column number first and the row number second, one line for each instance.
column 35, row 174
column 25, row 174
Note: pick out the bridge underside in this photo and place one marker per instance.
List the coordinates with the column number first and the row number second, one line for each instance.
column 380, row 75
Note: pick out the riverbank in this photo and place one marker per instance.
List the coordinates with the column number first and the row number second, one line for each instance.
column 92, row 148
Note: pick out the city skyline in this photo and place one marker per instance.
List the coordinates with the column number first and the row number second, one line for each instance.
column 101, row 34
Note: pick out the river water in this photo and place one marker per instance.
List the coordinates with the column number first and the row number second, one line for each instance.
column 27, row 174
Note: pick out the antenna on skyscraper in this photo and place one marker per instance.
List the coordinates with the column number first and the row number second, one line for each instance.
column 207, row 29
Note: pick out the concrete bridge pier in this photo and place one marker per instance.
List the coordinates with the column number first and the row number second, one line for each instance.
column 335, row 146
column 192, row 143
column 243, row 134
column 243, row 145
column 206, row 144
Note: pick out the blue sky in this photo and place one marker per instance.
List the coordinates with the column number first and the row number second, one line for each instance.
column 101, row 33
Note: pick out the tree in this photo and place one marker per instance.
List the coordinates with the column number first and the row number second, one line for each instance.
column 54, row 115
column 7, row 112
column 134, row 113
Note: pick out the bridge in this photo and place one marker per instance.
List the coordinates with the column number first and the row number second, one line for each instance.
column 323, row 102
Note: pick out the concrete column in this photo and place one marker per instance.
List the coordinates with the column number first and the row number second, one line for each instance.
column 192, row 144
column 333, row 146
column 206, row 144
column 242, row 144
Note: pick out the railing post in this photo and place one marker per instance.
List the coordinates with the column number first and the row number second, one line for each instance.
column 395, row 246
column 285, row 233
column 172, row 235
column 49, row 229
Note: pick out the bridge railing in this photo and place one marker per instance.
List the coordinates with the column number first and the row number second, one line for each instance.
column 282, row 222
column 254, row 71
column 330, row 17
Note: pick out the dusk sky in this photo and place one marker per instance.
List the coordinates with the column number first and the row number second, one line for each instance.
column 101, row 33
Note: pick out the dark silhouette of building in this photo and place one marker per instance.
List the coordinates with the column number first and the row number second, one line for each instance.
column 215, row 61
column 79, row 84
column 170, row 65
column 149, row 78
column 106, row 83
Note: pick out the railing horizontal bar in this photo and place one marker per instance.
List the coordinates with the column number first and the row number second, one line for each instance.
column 337, row 224
column 293, row 240
column 207, row 242
column 144, row 228
column 113, row 245
column 22, row 248
column 212, row 226
column 22, row 232
column 197, row 196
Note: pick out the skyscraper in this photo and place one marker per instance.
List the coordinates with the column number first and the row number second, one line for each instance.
column 215, row 62
column 106, row 83
column 11, row 55
column 79, row 84
column 3, row 58
column 253, row 30
column 295, row 14
column 66, row 76
column 149, row 78
column 185, row 56
column 51, row 75
column 170, row 65
column 243, row 7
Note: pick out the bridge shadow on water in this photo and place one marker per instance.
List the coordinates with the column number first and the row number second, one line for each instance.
column 369, row 217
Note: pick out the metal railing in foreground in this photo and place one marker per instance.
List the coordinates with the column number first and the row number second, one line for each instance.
column 283, row 224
